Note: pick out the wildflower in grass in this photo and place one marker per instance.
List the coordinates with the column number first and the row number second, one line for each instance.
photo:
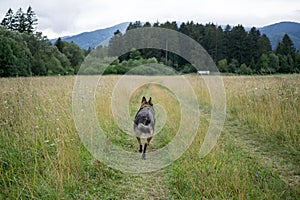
column 256, row 175
column 22, row 100
column 11, row 112
column 27, row 152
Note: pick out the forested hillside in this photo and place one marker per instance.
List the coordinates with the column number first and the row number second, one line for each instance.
column 233, row 49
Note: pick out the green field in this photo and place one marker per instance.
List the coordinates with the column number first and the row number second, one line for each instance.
column 257, row 155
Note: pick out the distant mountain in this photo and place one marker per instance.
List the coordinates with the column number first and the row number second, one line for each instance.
column 94, row 38
column 275, row 32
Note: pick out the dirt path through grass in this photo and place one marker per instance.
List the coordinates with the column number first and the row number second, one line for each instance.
column 279, row 160
column 42, row 157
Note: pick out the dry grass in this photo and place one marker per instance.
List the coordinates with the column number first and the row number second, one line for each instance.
column 270, row 105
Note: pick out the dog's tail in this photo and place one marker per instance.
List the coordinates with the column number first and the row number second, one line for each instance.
column 147, row 129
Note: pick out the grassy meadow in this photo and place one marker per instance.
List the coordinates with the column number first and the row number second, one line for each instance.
column 257, row 155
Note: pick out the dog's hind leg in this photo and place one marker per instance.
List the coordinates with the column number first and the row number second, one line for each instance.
column 140, row 143
column 149, row 139
column 145, row 148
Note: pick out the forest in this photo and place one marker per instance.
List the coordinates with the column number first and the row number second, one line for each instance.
column 233, row 49
column 27, row 52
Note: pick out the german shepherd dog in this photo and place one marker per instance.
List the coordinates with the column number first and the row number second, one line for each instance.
column 144, row 123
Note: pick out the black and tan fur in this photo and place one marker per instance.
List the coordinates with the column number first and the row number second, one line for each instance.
column 144, row 123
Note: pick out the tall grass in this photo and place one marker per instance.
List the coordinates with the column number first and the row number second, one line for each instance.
column 38, row 139
column 42, row 157
column 269, row 105
column 254, row 107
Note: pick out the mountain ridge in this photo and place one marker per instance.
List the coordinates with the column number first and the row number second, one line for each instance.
column 94, row 38
column 275, row 33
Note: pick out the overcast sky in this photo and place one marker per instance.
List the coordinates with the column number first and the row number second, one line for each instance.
column 69, row 17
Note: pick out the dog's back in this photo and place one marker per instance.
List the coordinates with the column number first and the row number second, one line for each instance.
column 144, row 121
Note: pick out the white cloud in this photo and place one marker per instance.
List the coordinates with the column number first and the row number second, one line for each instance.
column 66, row 17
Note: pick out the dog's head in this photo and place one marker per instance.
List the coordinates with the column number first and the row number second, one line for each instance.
column 146, row 103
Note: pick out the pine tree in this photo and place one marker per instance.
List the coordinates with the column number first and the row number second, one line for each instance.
column 209, row 40
column 252, row 45
column 286, row 47
column 31, row 20
column 8, row 21
column 264, row 45
column 59, row 44
column 237, row 47
column 226, row 41
column 20, row 21
column 287, row 55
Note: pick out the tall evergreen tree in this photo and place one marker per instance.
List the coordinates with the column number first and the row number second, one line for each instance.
column 226, row 40
column 252, row 46
column 237, row 47
column 264, row 45
column 59, row 44
column 31, row 20
column 209, row 40
column 20, row 24
column 286, row 47
column 8, row 21
column 287, row 55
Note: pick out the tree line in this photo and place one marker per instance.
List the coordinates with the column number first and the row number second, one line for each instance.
column 233, row 49
column 21, row 22
column 25, row 52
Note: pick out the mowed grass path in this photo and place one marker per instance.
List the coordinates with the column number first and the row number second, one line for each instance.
column 256, row 157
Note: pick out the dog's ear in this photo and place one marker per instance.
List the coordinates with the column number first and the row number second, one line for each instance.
column 150, row 102
column 143, row 100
